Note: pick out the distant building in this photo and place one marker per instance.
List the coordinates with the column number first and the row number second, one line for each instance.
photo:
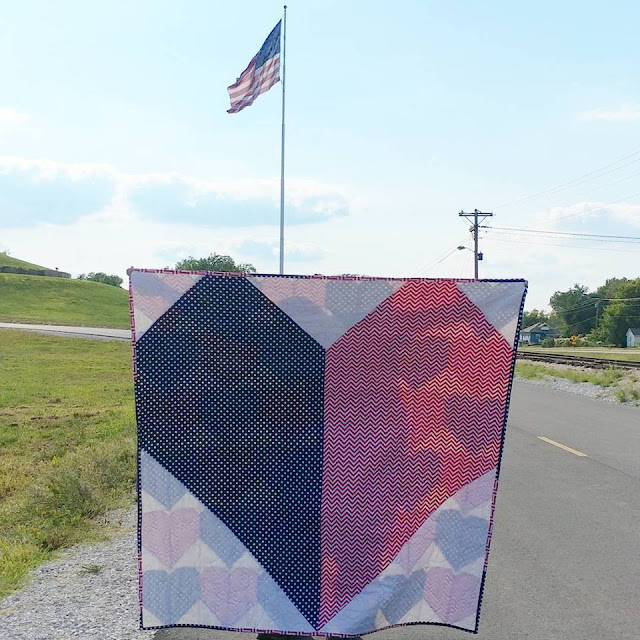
column 633, row 337
column 536, row 333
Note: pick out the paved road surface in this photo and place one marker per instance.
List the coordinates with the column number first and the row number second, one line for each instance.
column 75, row 332
column 565, row 557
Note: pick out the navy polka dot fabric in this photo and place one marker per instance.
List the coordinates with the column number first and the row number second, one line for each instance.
column 230, row 401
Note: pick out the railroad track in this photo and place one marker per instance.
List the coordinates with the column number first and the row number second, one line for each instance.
column 578, row 361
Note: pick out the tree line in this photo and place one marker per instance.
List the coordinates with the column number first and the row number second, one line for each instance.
column 603, row 315
column 213, row 262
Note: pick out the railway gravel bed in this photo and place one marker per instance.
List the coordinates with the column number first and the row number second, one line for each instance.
column 578, row 361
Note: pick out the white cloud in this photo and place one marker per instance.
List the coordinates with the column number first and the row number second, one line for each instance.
column 590, row 210
column 88, row 217
column 269, row 248
column 10, row 119
column 34, row 191
column 627, row 112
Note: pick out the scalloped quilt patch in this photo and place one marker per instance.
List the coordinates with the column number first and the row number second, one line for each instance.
column 318, row 455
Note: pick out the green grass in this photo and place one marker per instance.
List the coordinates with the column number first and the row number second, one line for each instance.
column 632, row 355
column 601, row 377
column 67, row 445
column 39, row 299
column 8, row 261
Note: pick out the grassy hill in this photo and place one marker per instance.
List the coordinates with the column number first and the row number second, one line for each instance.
column 43, row 300
column 8, row 261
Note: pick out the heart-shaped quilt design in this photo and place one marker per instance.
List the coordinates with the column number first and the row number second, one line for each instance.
column 320, row 435
column 168, row 535
column 478, row 492
column 169, row 595
column 219, row 538
column 451, row 596
column 404, row 593
column 416, row 546
column 159, row 484
column 461, row 539
column 229, row 594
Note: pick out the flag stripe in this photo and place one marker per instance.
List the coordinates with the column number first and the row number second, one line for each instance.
column 255, row 78
column 253, row 84
column 260, row 75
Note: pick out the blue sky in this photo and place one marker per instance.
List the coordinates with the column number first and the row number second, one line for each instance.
column 116, row 148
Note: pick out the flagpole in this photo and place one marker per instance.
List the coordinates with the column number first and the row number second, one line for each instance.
column 284, row 54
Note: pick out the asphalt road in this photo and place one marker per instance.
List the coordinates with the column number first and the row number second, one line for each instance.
column 565, row 557
column 95, row 333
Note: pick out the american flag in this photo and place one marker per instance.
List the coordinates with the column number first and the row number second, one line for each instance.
column 261, row 74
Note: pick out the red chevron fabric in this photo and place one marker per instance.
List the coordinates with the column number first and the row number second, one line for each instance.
column 415, row 398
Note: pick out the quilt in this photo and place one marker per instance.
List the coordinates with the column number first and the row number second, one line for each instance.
column 318, row 455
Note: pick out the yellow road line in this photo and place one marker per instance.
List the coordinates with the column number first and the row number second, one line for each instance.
column 563, row 446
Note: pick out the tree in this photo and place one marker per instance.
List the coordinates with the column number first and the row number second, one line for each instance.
column 611, row 288
column 533, row 317
column 104, row 278
column 575, row 310
column 619, row 315
column 214, row 262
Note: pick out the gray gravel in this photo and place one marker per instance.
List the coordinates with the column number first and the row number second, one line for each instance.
column 580, row 388
column 627, row 384
column 66, row 599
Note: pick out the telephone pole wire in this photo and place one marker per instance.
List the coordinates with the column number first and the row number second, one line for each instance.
column 477, row 216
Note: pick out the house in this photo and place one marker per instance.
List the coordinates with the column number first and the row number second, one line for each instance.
column 633, row 337
column 536, row 333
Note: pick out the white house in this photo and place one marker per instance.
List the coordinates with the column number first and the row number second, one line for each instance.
column 633, row 337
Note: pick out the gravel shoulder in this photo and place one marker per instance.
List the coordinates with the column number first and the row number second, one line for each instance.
column 624, row 390
column 580, row 388
column 91, row 592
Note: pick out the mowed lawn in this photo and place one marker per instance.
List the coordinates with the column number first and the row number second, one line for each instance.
column 44, row 300
column 67, row 445
column 9, row 261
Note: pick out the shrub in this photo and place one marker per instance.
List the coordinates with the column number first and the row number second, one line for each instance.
column 548, row 342
column 104, row 278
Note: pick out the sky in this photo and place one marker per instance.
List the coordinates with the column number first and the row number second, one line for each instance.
column 116, row 149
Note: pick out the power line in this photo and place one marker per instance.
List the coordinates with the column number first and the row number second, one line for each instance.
column 544, row 237
column 445, row 255
column 555, row 244
column 570, row 182
column 593, row 302
column 582, row 321
column 561, row 233
column 578, row 307
column 602, row 206
column 611, row 184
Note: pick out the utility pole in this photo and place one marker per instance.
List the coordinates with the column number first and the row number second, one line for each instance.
column 476, row 215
